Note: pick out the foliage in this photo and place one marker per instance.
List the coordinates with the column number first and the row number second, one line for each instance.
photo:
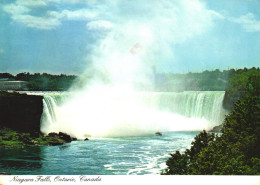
column 7, row 94
column 6, row 75
column 204, row 81
column 239, row 84
column 10, row 139
column 215, row 80
column 44, row 81
column 236, row 151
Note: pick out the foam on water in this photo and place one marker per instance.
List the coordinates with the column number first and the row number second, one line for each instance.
column 107, row 156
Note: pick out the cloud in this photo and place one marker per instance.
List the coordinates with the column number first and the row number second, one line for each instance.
column 98, row 16
column 216, row 14
column 37, row 22
column 31, row 3
column 248, row 22
column 100, row 25
column 81, row 14
column 20, row 12
column 73, row 1
column 15, row 9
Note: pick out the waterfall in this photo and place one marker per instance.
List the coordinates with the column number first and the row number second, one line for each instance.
column 191, row 104
column 50, row 110
column 186, row 107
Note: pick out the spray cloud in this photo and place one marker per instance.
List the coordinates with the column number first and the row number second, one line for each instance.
column 131, row 38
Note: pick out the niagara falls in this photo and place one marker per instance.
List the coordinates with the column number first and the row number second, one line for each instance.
column 146, row 113
column 129, row 87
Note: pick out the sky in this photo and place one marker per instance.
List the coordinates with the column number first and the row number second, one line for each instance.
column 179, row 36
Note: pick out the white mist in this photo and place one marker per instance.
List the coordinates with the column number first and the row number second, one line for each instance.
column 137, row 36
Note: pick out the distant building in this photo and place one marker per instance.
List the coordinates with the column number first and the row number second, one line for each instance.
column 6, row 84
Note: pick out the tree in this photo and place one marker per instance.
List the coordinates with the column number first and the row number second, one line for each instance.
column 237, row 150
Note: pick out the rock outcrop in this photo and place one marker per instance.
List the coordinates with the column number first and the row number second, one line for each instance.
column 216, row 128
column 20, row 112
column 11, row 139
column 61, row 137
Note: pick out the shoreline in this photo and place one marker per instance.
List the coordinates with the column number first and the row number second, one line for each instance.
column 12, row 139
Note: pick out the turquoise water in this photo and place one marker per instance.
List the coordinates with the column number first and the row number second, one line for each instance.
column 98, row 156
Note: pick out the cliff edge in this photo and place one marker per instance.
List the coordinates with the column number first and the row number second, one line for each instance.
column 20, row 112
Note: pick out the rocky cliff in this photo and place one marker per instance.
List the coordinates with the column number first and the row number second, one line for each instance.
column 20, row 112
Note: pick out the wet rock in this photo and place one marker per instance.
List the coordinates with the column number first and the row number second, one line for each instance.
column 56, row 141
column 65, row 137
column 86, row 139
column 158, row 133
column 216, row 129
column 52, row 134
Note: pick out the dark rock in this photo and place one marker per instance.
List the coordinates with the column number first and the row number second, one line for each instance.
column 56, row 141
column 74, row 139
column 158, row 133
column 35, row 134
column 60, row 138
column 25, row 138
column 53, row 134
column 7, row 138
column 65, row 137
column 63, row 147
column 216, row 128
column 230, row 98
column 20, row 112
column 86, row 139
column 4, row 173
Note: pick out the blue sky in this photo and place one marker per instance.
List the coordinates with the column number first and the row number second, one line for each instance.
column 64, row 36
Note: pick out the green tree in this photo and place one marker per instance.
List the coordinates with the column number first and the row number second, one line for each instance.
column 236, row 151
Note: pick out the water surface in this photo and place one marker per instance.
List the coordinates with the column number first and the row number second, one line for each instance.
column 99, row 156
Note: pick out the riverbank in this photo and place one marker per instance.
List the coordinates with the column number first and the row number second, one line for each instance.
column 11, row 139
column 20, row 117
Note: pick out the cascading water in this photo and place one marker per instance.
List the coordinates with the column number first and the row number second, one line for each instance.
column 191, row 104
column 165, row 111
column 50, row 109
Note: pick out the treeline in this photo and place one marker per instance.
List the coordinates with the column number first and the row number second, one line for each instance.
column 204, row 81
column 215, row 80
column 236, row 151
column 43, row 82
